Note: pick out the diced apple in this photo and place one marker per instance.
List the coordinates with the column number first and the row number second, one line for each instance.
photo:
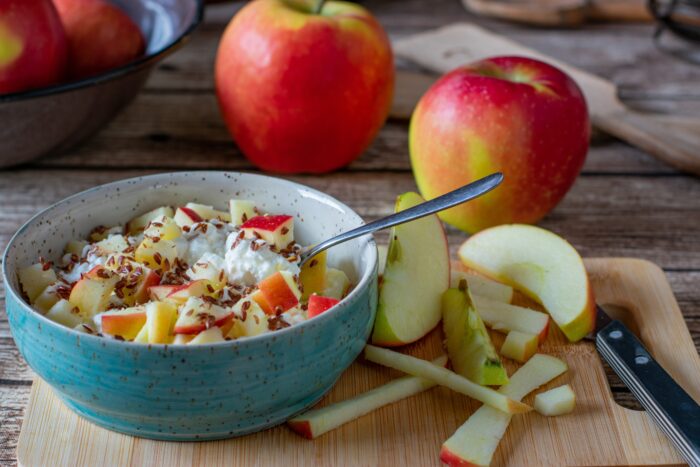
column 250, row 320
column 519, row 346
column 197, row 315
column 280, row 292
column 209, row 267
column 199, row 288
column 318, row 304
column 47, row 298
column 241, row 210
column 92, row 292
column 314, row 423
column 160, row 292
column 557, row 401
column 125, row 323
column 275, row 230
column 417, row 272
column 209, row 336
column 477, row 439
column 504, row 317
column 65, row 313
column 208, row 212
column 313, row 276
column 101, row 232
column 185, row 217
column 142, row 336
column 164, row 228
column 183, row 339
column 76, row 247
column 135, row 279
column 139, row 223
column 468, row 343
column 542, row 265
column 35, row 278
column 337, row 284
column 113, row 244
column 157, row 255
column 443, row 377
column 160, row 317
column 483, row 286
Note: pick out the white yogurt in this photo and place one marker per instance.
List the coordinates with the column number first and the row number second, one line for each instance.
column 246, row 266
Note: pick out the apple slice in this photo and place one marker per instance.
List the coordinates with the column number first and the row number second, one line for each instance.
column 417, row 273
column 443, row 377
column 313, row 276
column 241, row 210
column 250, row 320
column 504, row 317
column 337, row 284
column 198, row 315
column 314, row 423
column 519, row 346
column 540, row 264
column 468, row 343
column 125, row 323
column 483, row 286
column 477, row 439
column 164, row 228
column 76, row 247
column 280, row 292
column 557, row 401
column 208, row 212
column 139, row 223
column 275, row 230
column 319, row 304
column 199, row 288
column 160, row 317
column 36, row 278
column 160, row 292
column 159, row 255
column 92, row 292
column 209, row 336
column 65, row 313
column 185, row 217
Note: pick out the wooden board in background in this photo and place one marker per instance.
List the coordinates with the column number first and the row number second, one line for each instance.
column 410, row 432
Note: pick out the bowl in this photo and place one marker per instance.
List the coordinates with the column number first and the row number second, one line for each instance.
column 68, row 113
column 180, row 392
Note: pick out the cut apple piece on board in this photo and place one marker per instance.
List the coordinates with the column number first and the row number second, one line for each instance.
column 417, row 272
column 313, row 276
column 208, row 336
column 139, row 223
column 160, row 317
column 197, row 315
column 65, row 313
column 240, row 210
column 519, row 346
column 540, row 264
column 185, row 217
column 314, row 423
column 125, row 323
column 443, row 377
column 280, row 292
column 555, row 402
column 477, row 439
column 92, row 292
column 337, row 284
column 504, row 317
column 208, row 212
column 275, row 230
column 35, row 278
column 483, row 286
column 468, row 343
column 318, row 304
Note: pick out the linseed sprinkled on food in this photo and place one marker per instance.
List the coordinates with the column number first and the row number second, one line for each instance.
column 157, row 258
column 285, row 230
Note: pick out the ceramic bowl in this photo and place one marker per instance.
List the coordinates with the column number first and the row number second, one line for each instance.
column 66, row 114
column 179, row 392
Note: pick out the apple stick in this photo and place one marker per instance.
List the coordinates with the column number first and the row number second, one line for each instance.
column 314, row 423
column 477, row 439
column 443, row 377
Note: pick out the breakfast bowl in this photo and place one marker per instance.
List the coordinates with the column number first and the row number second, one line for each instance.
column 187, row 392
column 67, row 113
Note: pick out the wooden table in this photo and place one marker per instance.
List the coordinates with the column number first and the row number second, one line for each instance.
column 625, row 203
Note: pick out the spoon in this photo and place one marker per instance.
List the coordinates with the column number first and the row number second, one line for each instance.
column 448, row 200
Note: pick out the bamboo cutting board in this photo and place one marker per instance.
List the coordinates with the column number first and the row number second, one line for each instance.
column 672, row 139
column 410, row 432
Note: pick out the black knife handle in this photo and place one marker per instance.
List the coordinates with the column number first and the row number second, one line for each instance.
column 671, row 408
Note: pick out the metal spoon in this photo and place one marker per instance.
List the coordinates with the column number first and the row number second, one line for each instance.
column 448, row 200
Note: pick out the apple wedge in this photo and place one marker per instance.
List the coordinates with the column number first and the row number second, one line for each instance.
column 477, row 439
column 314, row 423
column 555, row 402
column 416, row 274
column 519, row 346
column 540, row 264
column 443, row 377
column 483, row 286
column 504, row 317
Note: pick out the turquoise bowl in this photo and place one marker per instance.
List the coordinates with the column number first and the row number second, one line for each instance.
column 178, row 392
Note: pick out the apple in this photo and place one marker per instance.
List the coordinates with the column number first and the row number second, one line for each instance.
column 156, row 254
column 504, row 317
column 443, row 377
column 337, row 284
column 185, row 217
column 250, row 320
column 208, row 212
column 279, row 292
column 557, row 401
column 35, row 278
column 101, row 232
column 139, row 223
column 313, row 275
column 275, row 230
column 65, row 313
column 240, row 210
column 160, row 317
column 142, row 336
column 135, row 279
column 477, row 439
column 113, row 244
column 183, row 339
column 314, row 423
column 160, row 292
column 303, row 90
column 519, row 346
column 483, row 286
column 197, row 315
column 100, row 36
column 125, row 323
column 417, row 272
column 210, row 268
column 198, row 288
column 514, row 115
column 319, row 304
column 76, row 247
column 540, row 264
column 162, row 227
column 92, row 292
column 208, row 336
column 382, row 253
column 33, row 46
column 47, row 298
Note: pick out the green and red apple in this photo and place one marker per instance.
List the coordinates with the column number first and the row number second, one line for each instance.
column 514, row 115
column 303, row 90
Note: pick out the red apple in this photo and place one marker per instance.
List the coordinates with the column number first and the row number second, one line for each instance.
column 319, row 304
column 278, row 292
column 33, row 48
column 197, row 315
column 302, row 91
column 125, row 323
column 100, row 36
column 185, row 216
column 275, row 230
column 515, row 115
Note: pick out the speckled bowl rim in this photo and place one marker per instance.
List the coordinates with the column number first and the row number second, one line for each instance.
column 133, row 66
column 366, row 276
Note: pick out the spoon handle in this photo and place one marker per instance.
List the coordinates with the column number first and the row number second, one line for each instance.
column 448, row 200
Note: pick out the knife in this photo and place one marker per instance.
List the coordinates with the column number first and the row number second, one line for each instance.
column 670, row 407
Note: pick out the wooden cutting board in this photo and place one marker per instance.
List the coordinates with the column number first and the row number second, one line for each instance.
column 410, row 432
column 672, row 139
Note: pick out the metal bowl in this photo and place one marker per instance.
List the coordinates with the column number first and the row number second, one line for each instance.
column 52, row 119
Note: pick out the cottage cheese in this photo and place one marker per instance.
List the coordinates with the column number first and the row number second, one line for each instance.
column 246, row 266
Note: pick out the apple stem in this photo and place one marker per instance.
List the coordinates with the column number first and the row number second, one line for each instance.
column 318, row 7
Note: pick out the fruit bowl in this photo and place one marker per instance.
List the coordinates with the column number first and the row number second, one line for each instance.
column 52, row 119
column 211, row 391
